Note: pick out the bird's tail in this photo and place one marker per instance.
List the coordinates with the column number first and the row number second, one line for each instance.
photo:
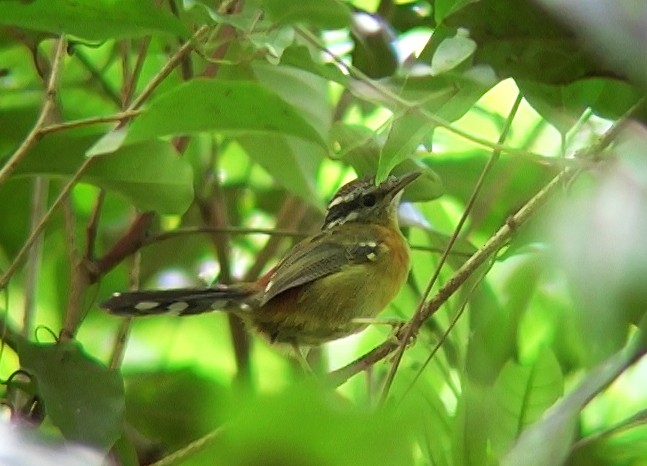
column 181, row 301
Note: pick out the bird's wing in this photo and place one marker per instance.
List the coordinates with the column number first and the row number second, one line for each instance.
column 316, row 258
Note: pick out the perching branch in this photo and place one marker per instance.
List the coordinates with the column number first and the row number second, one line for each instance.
column 496, row 242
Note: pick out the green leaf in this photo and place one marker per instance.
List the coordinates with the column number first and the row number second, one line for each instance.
column 174, row 407
column 305, row 425
column 562, row 105
column 521, row 394
column 359, row 148
column 450, row 53
column 235, row 107
column 305, row 91
column 548, row 442
column 326, row 14
column 82, row 398
column 291, row 161
column 521, row 40
column 404, row 137
column 91, row 19
column 150, row 174
column 615, row 31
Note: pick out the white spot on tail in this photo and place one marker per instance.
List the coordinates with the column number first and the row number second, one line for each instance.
column 146, row 305
column 178, row 306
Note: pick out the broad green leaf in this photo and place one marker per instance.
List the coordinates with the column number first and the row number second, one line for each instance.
column 492, row 336
column 91, row 19
column 326, row 14
column 305, row 426
column 301, row 57
column 234, row 107
column 443, row 8
column 174, row 407
column 82, row 398
column 520, row 39
column 548, row 442
column 562, row 105
column 521, row 394
column 150, row 174
column 448, row 96
column 599, row 233
column 305, row 91
column 358, row 147
column 614, row 31
column 450, row 53
column 291, row 161
column 469, row 446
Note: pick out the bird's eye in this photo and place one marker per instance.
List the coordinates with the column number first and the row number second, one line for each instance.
column 368, row 200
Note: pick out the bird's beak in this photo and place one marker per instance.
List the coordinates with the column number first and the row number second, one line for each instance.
column 398, row 183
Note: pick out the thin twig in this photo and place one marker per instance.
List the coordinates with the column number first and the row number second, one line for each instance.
column 167, row 68
column 119, row 117
column 191, row 449
column 87, row 163
column 228, row 230
column 39, row 201
column 48, row 105
column 131, row 82
column 407, row 106
column 468, row 208
column 78, row 276
column 35, row 233
column 91, row 229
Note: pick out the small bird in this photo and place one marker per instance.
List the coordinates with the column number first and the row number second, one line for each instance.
column 327, row 286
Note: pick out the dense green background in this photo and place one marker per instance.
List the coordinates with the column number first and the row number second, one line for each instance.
column 158, row 144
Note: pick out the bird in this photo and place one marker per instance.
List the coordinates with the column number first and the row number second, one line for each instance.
column 329, row 285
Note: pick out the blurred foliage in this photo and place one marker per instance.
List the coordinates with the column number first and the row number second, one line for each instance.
column 183, row 142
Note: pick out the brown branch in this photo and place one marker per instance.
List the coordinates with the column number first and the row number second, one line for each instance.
column 48, row 105
column 91, row 228
column 127, row 244
column 87, row 163
column 118, row 117
column 468, row 208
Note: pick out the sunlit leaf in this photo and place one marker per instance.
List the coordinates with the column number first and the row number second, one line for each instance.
column 521, row 394
column 547, row 442
column 149, row 174
column 327, row 14
column 234, row 107
column 91, row 19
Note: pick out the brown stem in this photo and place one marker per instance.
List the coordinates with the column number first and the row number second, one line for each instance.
column 468, row 208
column 128, row 244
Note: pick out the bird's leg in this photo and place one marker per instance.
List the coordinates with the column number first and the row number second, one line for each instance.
column 301, row 358
column 395, row 324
